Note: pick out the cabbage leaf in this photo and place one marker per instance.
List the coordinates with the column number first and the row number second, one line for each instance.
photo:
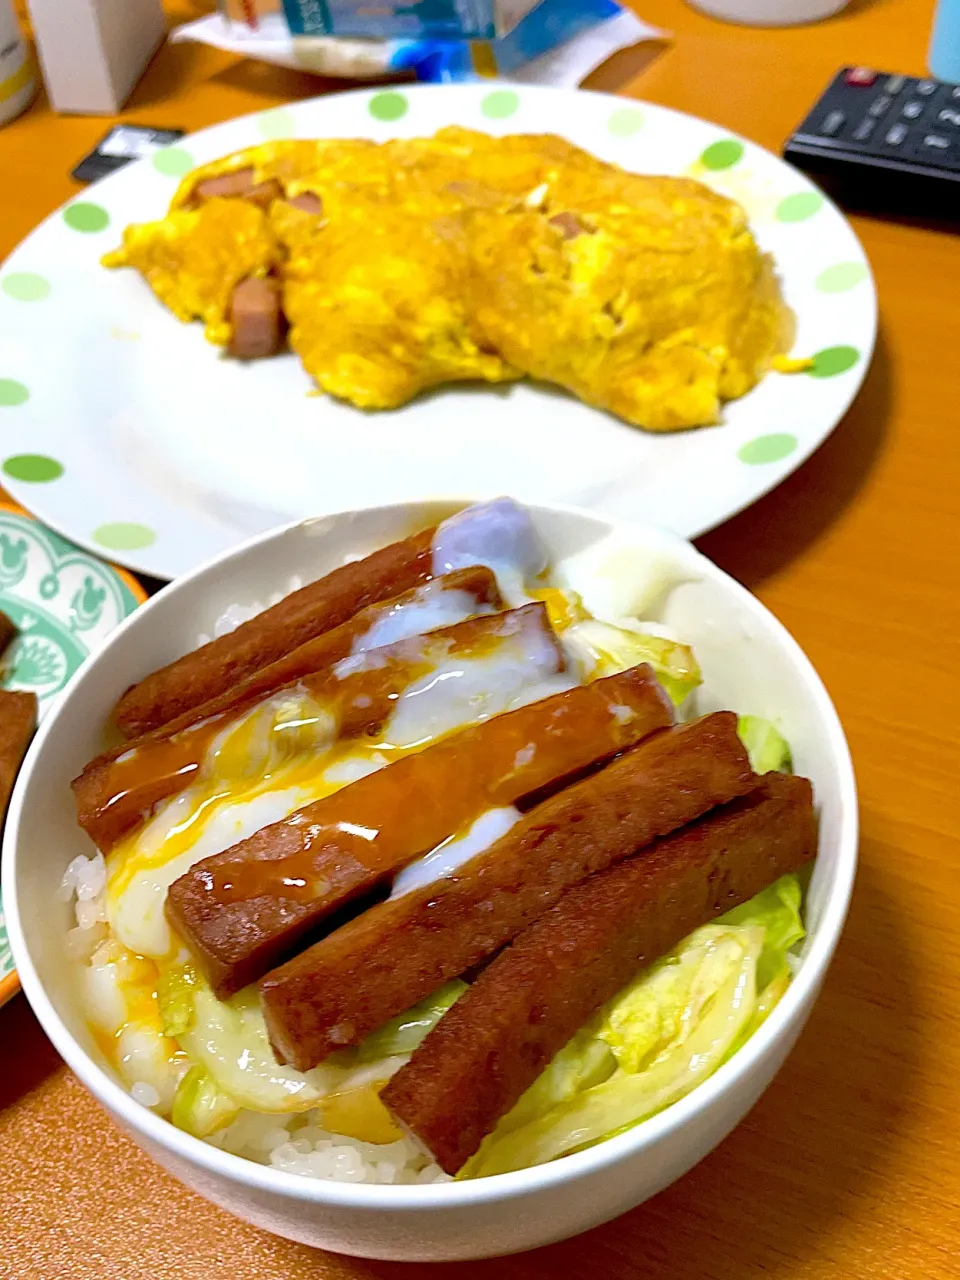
column 200, row 1107
column 403, row 1033
column 604, row 650
column 767, row 748
column 658, row 1038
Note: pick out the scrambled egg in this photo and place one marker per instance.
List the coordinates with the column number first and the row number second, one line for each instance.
column 195, row 258
column 376, row 302
column 644, row 296
column 420, row 262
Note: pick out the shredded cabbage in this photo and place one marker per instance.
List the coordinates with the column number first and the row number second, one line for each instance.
column 776, row 909
column 176, row 986
column 663, row 1034
column 767, row 748
column 228, row 1038
column 234, row 1067
column 604, row 650
column 199, row 1106
column 403, row 1033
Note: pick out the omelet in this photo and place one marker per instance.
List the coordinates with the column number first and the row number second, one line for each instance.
column 195, row 257
column 419, row 262
column 377, row 304
column 647, row 297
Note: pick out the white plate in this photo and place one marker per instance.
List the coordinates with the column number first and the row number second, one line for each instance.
column 147, row 445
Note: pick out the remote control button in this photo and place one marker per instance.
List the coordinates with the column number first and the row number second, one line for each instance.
column 912, row 109
column 936, row 142
column 895, row 137
column 832, row 123
column 955, row 93
column 880, row 104
column 864, row 77
column 949, row 115
column 894, row 84
column 864, row 130
column 926, row 88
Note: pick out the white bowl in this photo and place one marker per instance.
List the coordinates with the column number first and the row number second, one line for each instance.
column 749, row 663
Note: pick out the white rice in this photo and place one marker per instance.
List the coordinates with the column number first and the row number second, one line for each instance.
column 144, row 1093
column 295, row 1144
column 299, row 1144
column 85, row 881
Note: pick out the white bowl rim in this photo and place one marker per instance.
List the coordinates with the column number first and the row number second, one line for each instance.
column 503, row 1186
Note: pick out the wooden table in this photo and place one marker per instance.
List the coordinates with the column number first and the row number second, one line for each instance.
column 848, row 1167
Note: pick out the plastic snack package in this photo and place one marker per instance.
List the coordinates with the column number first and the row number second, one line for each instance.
column 559, row 42
column 436, row 19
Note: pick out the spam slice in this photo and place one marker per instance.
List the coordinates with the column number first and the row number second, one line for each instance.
column 117, row 788
column 240, row 910
column 525, row 1006
column 318, row 607
column 393, row 955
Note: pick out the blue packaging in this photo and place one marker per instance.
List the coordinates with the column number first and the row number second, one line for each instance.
column 427, row 19
column 551, row 24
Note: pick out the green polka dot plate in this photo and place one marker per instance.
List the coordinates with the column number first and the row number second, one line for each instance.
column 128, row 433
column 64, row 603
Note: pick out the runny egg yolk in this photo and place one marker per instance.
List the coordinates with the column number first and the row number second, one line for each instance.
column 564, row 608
column 359, row 1113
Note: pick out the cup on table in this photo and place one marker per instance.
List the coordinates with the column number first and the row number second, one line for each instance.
column 771, row 13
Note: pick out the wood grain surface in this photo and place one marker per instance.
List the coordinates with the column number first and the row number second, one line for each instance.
column 848, row 1167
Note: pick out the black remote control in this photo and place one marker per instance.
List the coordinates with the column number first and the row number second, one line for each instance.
column 884, row 143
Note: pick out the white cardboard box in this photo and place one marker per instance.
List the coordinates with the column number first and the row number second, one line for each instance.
column 92, row 52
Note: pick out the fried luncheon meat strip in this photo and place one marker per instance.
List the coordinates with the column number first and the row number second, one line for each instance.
column 240, row 910
column 505, row 1029
column 397, row 953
